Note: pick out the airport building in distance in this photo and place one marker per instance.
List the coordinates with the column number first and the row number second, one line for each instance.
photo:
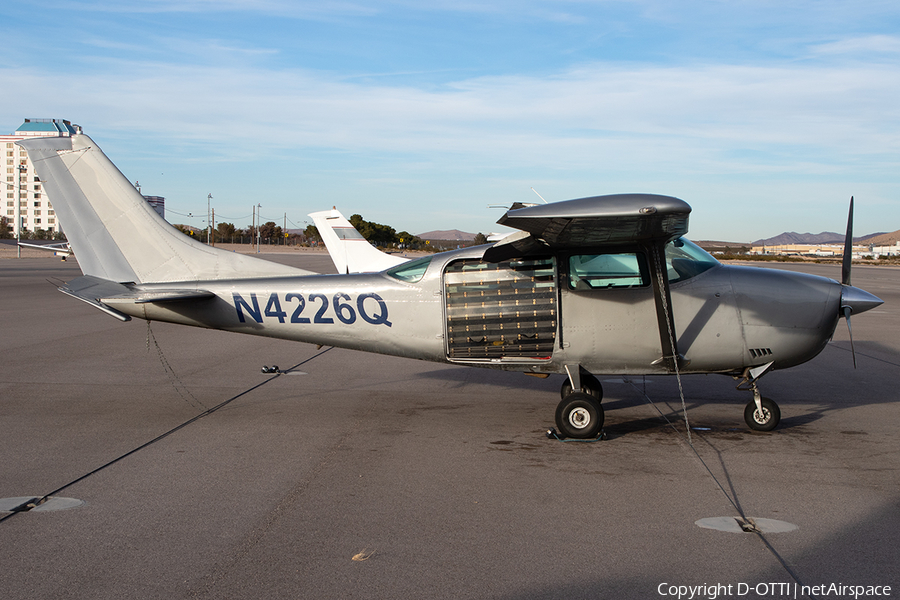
column 829, row 250
column 26, row 205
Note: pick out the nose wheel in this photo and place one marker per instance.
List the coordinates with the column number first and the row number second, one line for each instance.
column 762, row 415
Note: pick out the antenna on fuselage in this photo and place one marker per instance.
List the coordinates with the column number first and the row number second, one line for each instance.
column 539, row 196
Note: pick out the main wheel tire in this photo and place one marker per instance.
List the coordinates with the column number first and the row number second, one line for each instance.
column 765, row 421
column 579, row 416
column 588, row 382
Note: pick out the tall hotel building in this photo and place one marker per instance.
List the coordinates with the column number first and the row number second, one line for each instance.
column 23, row 187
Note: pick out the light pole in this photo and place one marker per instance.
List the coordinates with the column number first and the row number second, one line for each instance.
column 258, row 206
column 208, row 220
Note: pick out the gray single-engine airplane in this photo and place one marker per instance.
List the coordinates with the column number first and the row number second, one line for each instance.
column 600, row 285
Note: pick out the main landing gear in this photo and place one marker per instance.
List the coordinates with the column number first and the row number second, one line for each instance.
column 579, row 414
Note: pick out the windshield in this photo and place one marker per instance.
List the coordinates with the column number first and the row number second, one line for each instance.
column 411, row 271
column 685, row 259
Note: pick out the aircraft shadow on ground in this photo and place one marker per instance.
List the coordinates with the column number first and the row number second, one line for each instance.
column 823, row 396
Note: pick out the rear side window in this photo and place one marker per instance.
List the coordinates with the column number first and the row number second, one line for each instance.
column 411, row 272
column 604, row 271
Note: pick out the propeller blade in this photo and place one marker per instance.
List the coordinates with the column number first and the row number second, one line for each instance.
column 848, row 249
column 847, row 311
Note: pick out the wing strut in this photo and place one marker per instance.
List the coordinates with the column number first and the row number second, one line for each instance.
column 664, row 315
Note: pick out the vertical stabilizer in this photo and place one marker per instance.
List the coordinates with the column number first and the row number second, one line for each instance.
column 114, row 233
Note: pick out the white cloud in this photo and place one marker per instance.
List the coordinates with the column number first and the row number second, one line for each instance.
column 855, row 46
column 296, row 9
column 579, row 114
column 595, row 129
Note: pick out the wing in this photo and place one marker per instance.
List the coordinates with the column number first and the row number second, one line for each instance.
column 600, row 220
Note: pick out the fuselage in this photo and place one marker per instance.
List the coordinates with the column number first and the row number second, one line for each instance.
column 536, row 314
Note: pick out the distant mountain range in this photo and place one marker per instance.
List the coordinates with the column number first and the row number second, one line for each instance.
column 886, row 239
column 787, row 238
column 826, row 237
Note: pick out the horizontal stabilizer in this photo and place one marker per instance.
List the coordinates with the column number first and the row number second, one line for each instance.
column 91, row 289
column 104, row 294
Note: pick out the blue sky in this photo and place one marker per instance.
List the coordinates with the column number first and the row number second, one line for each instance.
column 764, row 116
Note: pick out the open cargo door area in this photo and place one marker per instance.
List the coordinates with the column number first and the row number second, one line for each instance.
column 504, row 310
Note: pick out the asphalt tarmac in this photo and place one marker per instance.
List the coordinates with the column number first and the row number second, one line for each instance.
column 439, row 477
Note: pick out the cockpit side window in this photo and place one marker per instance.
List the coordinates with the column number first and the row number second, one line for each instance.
column 610, row 270
column 685, row 259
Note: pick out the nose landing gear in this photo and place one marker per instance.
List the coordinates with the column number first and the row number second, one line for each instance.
column 760, row 414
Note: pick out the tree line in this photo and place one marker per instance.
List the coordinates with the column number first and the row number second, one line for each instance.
column 269, row 233
column 6, row 232
column 383, row 236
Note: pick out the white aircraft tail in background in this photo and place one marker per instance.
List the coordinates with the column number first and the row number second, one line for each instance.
column 349, row 250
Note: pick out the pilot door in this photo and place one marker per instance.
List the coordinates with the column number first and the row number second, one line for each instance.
column 500, row 312
column 608, row 312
